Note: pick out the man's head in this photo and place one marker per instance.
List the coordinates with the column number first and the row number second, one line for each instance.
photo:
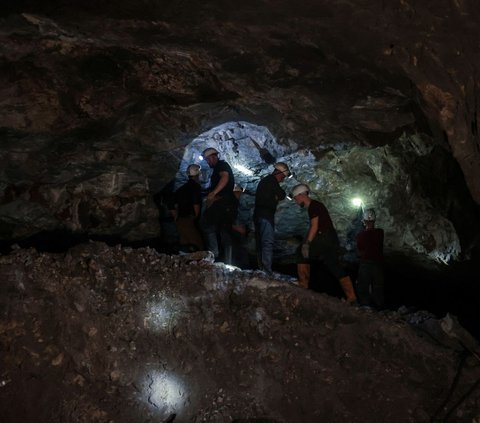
column 193, row 171
column 369, row 217
column 300, row 195
column 281, row 171
column 210, row 155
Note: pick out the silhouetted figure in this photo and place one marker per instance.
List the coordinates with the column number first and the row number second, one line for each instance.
column 187, row 203
column 240, row 230
column 221, row 206
column 267, row 196
column 370, row 280
column 168, row 239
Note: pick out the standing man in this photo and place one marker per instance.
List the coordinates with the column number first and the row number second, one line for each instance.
column 321, row 242
column 221, row 206
column 267, row 196
column 187, row 202
column 240, row 230
column 370, row 271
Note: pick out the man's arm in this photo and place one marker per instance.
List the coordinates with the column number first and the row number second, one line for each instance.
column 313, row 230
column 311, row 234
column 280, row 194
column 222, row 183
column 196, row 209
column 174, row 213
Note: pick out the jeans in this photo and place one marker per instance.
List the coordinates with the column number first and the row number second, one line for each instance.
column 370, row 284
column 215, row 233
column 264, row 234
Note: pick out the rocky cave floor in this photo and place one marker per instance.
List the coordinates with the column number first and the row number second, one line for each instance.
column 115, row 334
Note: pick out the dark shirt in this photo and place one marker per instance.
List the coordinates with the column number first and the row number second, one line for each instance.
column 267, row 196
column 188, row 195
column 222, row 166
column 370, row 245
column 317, row 209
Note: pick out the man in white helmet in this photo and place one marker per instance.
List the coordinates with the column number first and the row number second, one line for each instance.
column 370, row 271
column 267, row 197
column 221, row 206
column 187, row 204
column 321, row 241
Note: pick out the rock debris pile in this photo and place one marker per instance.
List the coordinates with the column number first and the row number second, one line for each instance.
column 113, row 334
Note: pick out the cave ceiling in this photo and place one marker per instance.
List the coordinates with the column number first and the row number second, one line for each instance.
column 102, row 104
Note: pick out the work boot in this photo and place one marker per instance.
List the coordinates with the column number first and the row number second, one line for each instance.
column 303, row 272
column 347, row 286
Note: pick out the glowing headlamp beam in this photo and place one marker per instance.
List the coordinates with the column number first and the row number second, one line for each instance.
column 357, row 202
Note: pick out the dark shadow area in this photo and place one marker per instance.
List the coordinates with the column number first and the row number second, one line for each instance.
column 437, row 289
column 60, row 241
column 447, row 289
column 322, row 281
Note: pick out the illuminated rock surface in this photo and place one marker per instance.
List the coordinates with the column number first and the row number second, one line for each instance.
column 111, row 334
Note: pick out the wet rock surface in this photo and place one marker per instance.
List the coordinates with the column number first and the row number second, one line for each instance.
column 113, row 334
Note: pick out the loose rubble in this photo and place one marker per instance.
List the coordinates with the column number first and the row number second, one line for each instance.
column 113, row 334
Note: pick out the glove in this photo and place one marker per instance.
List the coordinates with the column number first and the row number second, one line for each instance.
column 306, row 250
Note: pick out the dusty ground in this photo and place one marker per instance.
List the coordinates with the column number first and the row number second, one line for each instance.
column 111, row 334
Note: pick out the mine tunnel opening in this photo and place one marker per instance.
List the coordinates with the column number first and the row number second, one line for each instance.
column 251, row 150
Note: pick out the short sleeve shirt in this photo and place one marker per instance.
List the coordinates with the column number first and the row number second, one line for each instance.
column 267, row 196
column 188, row 195
column 317, row 209
column 222, row 166
column 370, row 244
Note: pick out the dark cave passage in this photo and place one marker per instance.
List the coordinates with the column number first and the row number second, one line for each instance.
column 410, row 287
column 453, row 289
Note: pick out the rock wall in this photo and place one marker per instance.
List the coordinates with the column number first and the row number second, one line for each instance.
column 100, row 108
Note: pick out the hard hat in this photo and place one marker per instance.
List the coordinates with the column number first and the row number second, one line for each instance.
column 208, row 152
column 237, row 188
column 300, row 189
column 282, row 167
column 369, row 215
column 193, row 170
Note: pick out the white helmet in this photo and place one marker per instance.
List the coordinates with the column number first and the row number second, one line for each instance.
column 193, row 170
column 369, row 215
column 237, row 188
column 282, row 167
column 208, row 152
column 300, row 189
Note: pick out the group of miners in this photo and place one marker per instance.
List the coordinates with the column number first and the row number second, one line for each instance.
column 216, row 226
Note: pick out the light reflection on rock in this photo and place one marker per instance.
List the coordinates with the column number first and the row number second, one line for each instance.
column 162, row 315
column 165, row 392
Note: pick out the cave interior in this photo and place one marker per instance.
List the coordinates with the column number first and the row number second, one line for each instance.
column 103, row 105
